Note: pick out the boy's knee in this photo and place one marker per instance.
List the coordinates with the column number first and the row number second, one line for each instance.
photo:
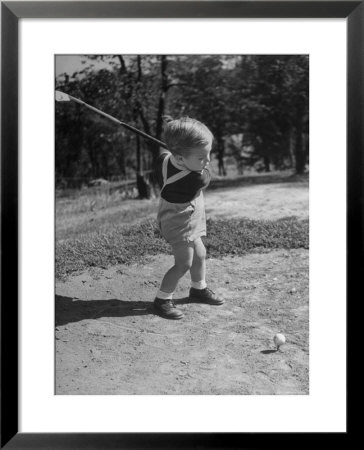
column 183, row 267
column 200, row 252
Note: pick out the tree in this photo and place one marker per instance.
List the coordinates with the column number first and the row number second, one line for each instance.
column 273, row 102
column 265, row 98
column 207, row 92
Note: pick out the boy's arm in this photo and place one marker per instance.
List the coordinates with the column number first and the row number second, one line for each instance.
column 203, row 179
column 157, row 170
column 206, row 177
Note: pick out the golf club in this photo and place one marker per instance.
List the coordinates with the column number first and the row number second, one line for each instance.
column 62, row 97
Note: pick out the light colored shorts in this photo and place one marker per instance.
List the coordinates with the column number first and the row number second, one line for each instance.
column 182, row 222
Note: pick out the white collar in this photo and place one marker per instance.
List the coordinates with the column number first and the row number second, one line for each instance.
column 177, row 165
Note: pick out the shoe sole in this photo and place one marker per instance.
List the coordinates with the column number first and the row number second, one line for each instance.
column 166, row 316
column 199, row 300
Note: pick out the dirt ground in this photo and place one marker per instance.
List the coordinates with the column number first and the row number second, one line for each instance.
column 109, row 341
column 264, row 201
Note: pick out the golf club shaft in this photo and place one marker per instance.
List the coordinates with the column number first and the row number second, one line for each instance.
column 113, row 119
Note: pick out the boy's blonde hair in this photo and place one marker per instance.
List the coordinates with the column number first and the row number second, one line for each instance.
column 184, row 134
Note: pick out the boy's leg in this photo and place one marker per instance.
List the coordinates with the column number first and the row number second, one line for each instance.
column 183, row 256
column 199, row 290
column 198, row 268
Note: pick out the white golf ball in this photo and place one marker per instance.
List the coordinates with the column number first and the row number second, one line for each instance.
column 279, row 339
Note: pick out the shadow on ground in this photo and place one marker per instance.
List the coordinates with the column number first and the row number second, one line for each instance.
column 70, row 310
column 245, row 180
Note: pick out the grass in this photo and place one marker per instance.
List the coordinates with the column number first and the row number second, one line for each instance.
column 72, row 222
column 90, row 210
column 128, row 245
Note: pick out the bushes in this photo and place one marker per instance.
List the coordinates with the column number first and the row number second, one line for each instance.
column 127, row 245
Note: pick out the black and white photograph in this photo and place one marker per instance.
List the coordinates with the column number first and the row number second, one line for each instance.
column 182, row 224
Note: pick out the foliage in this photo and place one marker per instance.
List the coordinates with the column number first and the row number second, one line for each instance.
column 262, row 98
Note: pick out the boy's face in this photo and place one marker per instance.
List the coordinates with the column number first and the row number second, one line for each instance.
column 198, row 159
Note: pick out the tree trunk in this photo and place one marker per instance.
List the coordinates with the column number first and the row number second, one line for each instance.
column 266, row 163
column 139, row 157
column 220, row 155
column 142, row 183
column 122, row 163
column 306, row 146
column 300, row 151
column 155, row 149
column 291, row 144
column 136, row 114
column 143, row 186
column 162, row 97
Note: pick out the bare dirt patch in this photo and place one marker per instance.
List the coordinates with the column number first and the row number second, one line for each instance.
column 265, row 201
column 109, row 341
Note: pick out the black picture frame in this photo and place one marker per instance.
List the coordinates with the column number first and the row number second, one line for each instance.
column 11, row 12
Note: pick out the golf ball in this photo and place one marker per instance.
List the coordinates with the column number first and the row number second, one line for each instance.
column 279, row 339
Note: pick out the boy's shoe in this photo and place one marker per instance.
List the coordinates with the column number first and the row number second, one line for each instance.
column 167, row 309
column 205, row 296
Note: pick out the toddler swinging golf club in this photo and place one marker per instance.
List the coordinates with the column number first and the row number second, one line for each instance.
column 62, row 97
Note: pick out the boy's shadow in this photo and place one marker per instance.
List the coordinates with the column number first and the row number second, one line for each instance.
column 68, row 310
column 74, row 310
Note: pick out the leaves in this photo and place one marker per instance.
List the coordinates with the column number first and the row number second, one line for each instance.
column 264, row 97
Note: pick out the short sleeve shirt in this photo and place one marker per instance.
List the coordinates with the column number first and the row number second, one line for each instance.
column 185, row 189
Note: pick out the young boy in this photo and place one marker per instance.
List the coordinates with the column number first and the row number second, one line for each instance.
column 183, row 174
